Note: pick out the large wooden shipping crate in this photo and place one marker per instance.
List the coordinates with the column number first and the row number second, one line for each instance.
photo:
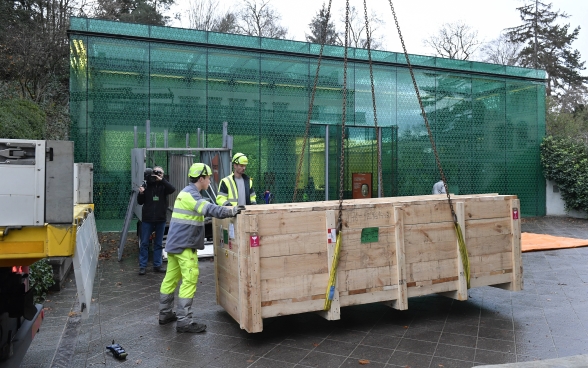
column 274, row 260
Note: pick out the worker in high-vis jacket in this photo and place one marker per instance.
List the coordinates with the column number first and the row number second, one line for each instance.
column 185, row 236
column 237, row 188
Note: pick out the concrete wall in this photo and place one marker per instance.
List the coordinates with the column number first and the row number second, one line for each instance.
column 554, row 205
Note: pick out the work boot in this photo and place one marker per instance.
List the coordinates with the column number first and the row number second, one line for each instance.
column 142, row 271
column 168, row 319
column 185, row 322
column 159, row 269
column 166, row 304
column 192, row 328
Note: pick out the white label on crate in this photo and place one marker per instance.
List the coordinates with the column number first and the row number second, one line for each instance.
column 231, row 231
column 331, row 236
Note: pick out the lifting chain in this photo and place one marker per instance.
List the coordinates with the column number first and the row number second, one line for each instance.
column 311, row 104
column 379, row 147
column 416, row 88
column 458, row 230
column 344, row 116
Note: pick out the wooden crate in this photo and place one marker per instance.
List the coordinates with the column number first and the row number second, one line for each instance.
column 274, row 260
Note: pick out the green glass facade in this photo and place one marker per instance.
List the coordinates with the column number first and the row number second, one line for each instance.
column 487, row 120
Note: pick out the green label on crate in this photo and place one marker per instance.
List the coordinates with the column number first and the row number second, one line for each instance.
column 226, row 236
column 369, row 235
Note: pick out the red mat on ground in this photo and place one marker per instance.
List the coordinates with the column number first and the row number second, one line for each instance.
column 531, row 242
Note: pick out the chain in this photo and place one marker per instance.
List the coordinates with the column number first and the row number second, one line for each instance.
column 342, row 165
column 437, row 160
column 378, row 148
column 311, row 104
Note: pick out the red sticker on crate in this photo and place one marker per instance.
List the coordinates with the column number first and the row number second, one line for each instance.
column 254, row 241
column 515, row 213
column 331, row 236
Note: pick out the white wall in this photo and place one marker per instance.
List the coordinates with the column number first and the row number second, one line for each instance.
column 554, row 205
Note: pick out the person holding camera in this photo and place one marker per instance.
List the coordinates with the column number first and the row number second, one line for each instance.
column 185, row 236
column 153, row 196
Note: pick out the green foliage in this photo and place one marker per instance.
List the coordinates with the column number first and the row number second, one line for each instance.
column 134, row 11
column 548, row 46
column 565, row 161
column 317, row 28
column 560, row 123
column 41, row 279
column 21, row 119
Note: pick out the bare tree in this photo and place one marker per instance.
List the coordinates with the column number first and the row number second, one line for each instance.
column 260, row 19
column 202, row 14
column 454, row 41
column 501, row 51
column 358, row 32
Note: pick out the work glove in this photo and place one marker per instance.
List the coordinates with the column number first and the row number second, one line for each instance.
column 237, row 210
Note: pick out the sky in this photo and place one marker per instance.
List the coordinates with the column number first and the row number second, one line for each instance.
column 419, row 19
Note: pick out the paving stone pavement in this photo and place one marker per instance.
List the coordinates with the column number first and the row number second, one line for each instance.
column 547, row 320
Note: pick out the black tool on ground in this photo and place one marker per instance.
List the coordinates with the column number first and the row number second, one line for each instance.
column 117, row 351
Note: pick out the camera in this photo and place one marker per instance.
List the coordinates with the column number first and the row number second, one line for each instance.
column 150, row 176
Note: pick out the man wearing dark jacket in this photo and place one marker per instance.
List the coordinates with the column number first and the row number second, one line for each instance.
column 153, row 197
column 237, row 188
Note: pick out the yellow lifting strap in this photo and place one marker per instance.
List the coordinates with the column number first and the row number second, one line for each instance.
column 333, row 275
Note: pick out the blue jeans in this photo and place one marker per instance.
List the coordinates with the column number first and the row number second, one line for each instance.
column 146, row 229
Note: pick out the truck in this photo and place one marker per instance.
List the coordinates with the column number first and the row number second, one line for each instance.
column 46, row 210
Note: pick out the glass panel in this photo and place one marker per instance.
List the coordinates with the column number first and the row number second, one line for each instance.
column 486, row 127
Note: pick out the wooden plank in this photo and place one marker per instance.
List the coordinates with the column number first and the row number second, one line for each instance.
column 227, row 259
column 359, row 218
column 244, row 301
column 432, row 270
column 427, row 213
column 491, row 262
column 428, row 242
column 370, row 297
column 461, row 287
column 228, row 282
column 487, row 227
column 351, row 238
column 401, row 302
column 229, row 303
column 367, row 278
column 288, row 308
column 293, row 287
column 291, row 244
column 488, row 279
column 256, row 324
column 215, row 245
column 486, row 208
column 371, row 256
column 291, row 222
column 517, row 261
column 334, row 313
column 300, row 264
column 430, row 288
column 489, row 245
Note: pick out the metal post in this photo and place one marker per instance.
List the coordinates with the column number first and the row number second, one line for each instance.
column 136, row 138
column 187, row 140
column 380, row 189
column 165, row 138
column 326, row 162
column 148, row 134
column 198, row 138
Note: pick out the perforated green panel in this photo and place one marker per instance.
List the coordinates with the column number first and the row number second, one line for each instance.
column 487, row 120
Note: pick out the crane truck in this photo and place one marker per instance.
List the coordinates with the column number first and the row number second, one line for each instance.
column 46, row 210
